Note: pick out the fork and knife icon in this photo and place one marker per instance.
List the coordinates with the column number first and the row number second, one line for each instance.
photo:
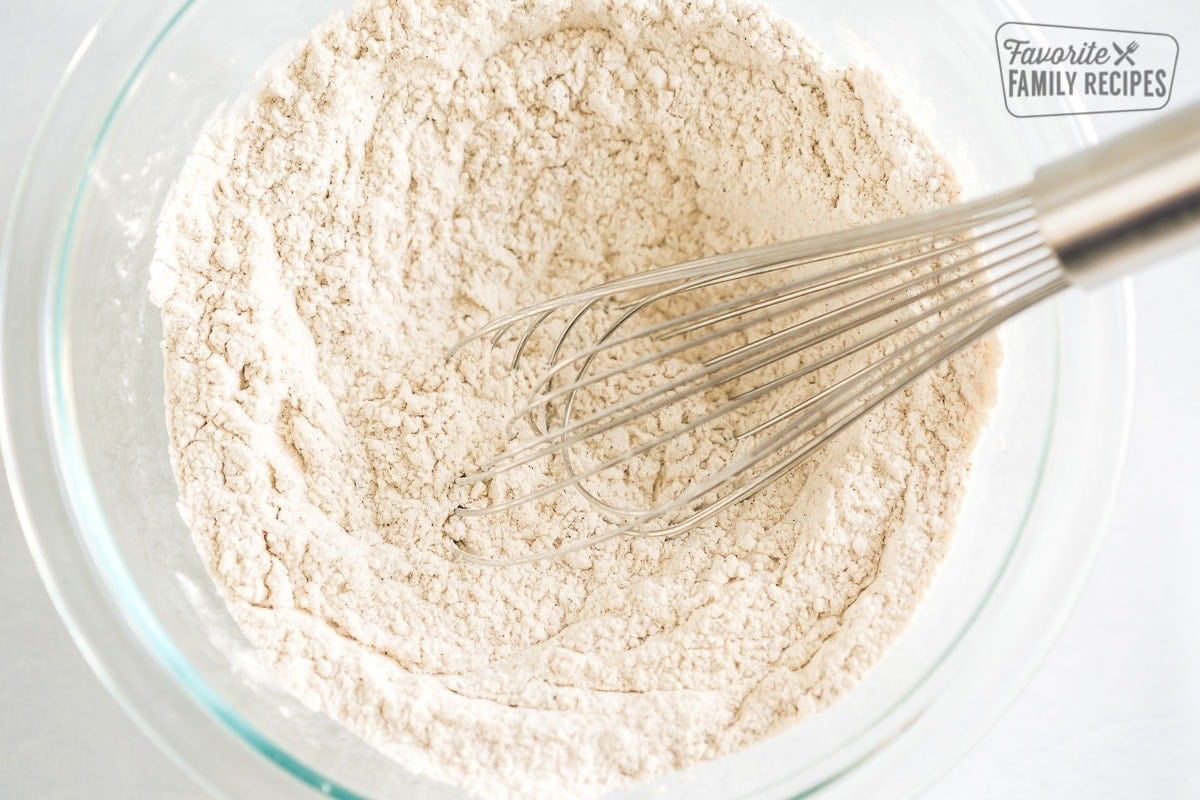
column 1125, row 55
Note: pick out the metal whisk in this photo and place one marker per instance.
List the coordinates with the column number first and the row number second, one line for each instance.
column 765, row 355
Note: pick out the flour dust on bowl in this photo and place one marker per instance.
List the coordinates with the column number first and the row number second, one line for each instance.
column 365, row 199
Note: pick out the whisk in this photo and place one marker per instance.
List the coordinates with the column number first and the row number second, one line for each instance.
column 774, row 351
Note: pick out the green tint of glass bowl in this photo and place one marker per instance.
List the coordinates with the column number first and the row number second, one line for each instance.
column 86, row 449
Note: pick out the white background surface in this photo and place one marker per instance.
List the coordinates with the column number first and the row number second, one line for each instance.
column 1114, row 713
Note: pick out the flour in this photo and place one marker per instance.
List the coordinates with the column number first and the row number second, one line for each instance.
column 422, row 166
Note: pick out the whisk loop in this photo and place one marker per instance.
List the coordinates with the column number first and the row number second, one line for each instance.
column 782, row 347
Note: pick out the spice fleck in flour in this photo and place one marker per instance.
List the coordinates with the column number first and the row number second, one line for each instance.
column 424, row 165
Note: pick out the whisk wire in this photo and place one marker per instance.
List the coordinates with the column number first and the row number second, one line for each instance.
column 932, row 289
column 1051, row 282
column 606, row 342
column 571, row 433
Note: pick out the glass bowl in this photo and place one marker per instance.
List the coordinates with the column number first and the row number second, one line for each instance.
column 86, row 447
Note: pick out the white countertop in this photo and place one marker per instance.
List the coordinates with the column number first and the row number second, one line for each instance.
column 1113, row 713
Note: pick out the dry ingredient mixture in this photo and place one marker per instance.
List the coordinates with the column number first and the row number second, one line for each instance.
column 423, row 165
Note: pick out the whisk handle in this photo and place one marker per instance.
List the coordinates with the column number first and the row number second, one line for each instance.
column 1125, row 203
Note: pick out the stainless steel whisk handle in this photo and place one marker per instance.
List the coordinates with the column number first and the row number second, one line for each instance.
column 1125, row 203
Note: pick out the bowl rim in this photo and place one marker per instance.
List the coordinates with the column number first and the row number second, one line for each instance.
column 196, row 725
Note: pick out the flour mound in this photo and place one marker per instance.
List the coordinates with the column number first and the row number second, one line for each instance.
column 424, row 165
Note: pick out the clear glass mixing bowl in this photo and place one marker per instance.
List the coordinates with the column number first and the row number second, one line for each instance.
column 86, row 448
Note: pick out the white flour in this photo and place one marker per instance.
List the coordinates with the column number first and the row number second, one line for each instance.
column 424, row 165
